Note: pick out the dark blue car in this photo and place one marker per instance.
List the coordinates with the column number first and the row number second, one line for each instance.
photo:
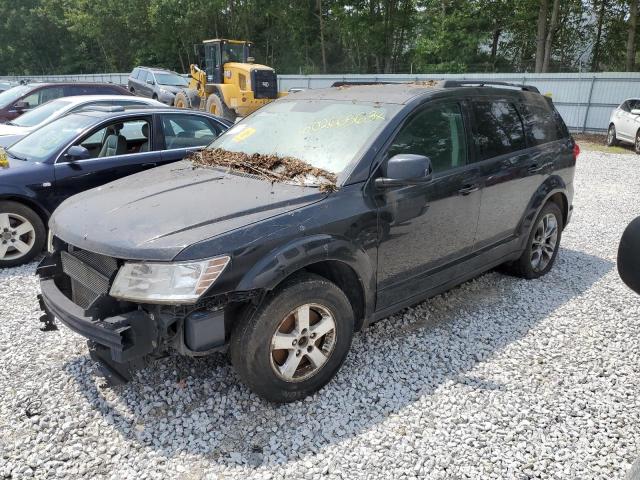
column 85, row 150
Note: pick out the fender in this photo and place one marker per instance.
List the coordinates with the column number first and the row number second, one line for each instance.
column 278, row 264
column 25, row 196
column 552, row 185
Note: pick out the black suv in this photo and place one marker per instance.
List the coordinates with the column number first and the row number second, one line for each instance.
column 435, row 183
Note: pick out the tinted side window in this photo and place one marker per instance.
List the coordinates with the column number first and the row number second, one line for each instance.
column 498, row 129
column 625, row 106
column 51, row 93
column 135, row 73
column 143, row 76
column 541, row 124
column 436, row 132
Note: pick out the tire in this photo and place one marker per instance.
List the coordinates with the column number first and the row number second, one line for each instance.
column 22, row 234
column 264, row 368
column 525, row 266
column 187, row 98
column 636, row 143
column 217, row 107
column 132, row 90
column 611, row 136
column 154, row 97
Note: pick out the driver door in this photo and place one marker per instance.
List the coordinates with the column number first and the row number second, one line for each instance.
column 75, row 176
column 424, row 229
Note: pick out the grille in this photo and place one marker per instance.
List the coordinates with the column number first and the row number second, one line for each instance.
column 90, row 274
column 264, row 83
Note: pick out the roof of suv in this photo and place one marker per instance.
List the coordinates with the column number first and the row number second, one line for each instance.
column 398, row 93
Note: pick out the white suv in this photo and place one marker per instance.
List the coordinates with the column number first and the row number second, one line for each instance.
column 624, row 124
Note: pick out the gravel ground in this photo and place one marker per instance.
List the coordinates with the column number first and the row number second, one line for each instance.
column 500, row 378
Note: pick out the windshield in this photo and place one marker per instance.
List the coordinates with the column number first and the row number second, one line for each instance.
column 11, row 95
column 233, row 52
column 39, row 145
column 41, row 114
column 171, row 79
column 324, row 134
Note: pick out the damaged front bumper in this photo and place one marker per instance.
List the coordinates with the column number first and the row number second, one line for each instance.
column 125, row 338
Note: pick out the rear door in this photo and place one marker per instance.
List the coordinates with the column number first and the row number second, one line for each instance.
column 72, row 177
column 514, row 161
column 183, row 133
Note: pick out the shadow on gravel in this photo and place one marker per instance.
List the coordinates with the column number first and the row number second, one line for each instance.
column 199, row 407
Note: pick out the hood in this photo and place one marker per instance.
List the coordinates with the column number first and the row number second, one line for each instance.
column 155, row 214
column 13, row 130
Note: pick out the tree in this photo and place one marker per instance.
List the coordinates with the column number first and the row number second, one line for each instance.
column 631, row 35
column 542, row 33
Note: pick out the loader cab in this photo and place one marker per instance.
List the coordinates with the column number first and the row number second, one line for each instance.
column 213, row 54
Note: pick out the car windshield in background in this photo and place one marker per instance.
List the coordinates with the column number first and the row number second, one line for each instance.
column 40, row 114
column 171, row 79
column 39, row 145
column 324, row 134
column 13, row 94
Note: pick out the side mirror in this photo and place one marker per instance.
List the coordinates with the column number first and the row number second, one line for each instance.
column 150, row 81
column 406, row 169
column 635, row 111
column 629, row 256
column 21, row 105
column 77, row 152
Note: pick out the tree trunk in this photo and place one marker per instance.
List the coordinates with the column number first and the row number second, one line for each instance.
column 595, row 61
column 494, row 46
column 552, row 29
column 542, row 31
column 322, row 46
column 631, row 35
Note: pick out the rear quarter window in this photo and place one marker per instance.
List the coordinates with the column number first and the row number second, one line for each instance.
column 542, row 123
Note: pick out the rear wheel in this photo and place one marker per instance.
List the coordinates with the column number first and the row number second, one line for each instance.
column 611, row 136
column 187, row 99
column 542, row 246
column 217, row 107
column 296, row 340
column 636, row 144
column 22, row 234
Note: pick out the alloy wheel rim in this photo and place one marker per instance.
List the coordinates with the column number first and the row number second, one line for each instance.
column 545, row 241
column 638, row 143
column 303, row 342
column 17, row 236
column 610, row 136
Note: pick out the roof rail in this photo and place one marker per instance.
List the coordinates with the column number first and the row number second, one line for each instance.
column 488, row 83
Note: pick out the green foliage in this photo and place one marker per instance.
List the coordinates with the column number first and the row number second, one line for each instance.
column 305, row 36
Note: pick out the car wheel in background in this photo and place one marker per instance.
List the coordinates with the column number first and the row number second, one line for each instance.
column 132, row 90
column 22, row 234
column 154, row 96
column 611, row 136
column 636, row 144
column 542, row 246
column 187, row 99
column 295, row 341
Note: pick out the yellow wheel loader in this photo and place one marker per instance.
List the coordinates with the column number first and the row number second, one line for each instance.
column 230, row 85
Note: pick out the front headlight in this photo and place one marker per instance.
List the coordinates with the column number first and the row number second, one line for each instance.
column 50, row 241
column 181, row 282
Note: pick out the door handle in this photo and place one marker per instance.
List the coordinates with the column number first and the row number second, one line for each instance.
column 150, row 164
column 467, row 189
column 535, row 168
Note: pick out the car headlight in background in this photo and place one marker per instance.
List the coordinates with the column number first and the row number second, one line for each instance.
column 180, row 282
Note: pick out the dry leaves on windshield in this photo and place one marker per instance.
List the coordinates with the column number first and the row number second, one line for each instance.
column 269, row 167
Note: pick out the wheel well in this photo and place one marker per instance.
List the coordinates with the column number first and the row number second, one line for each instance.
column 347, row 280
column 44, row 216
column 560, row 200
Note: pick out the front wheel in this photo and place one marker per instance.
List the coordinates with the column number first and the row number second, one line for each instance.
column 542, row 246
column 611, row 136
column 296, row 340
column 216, row 106
column 636, row 144
column 22, row 234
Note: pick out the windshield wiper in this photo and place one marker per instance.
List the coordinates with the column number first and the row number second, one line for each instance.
column 17, row 157
column 10, row 123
